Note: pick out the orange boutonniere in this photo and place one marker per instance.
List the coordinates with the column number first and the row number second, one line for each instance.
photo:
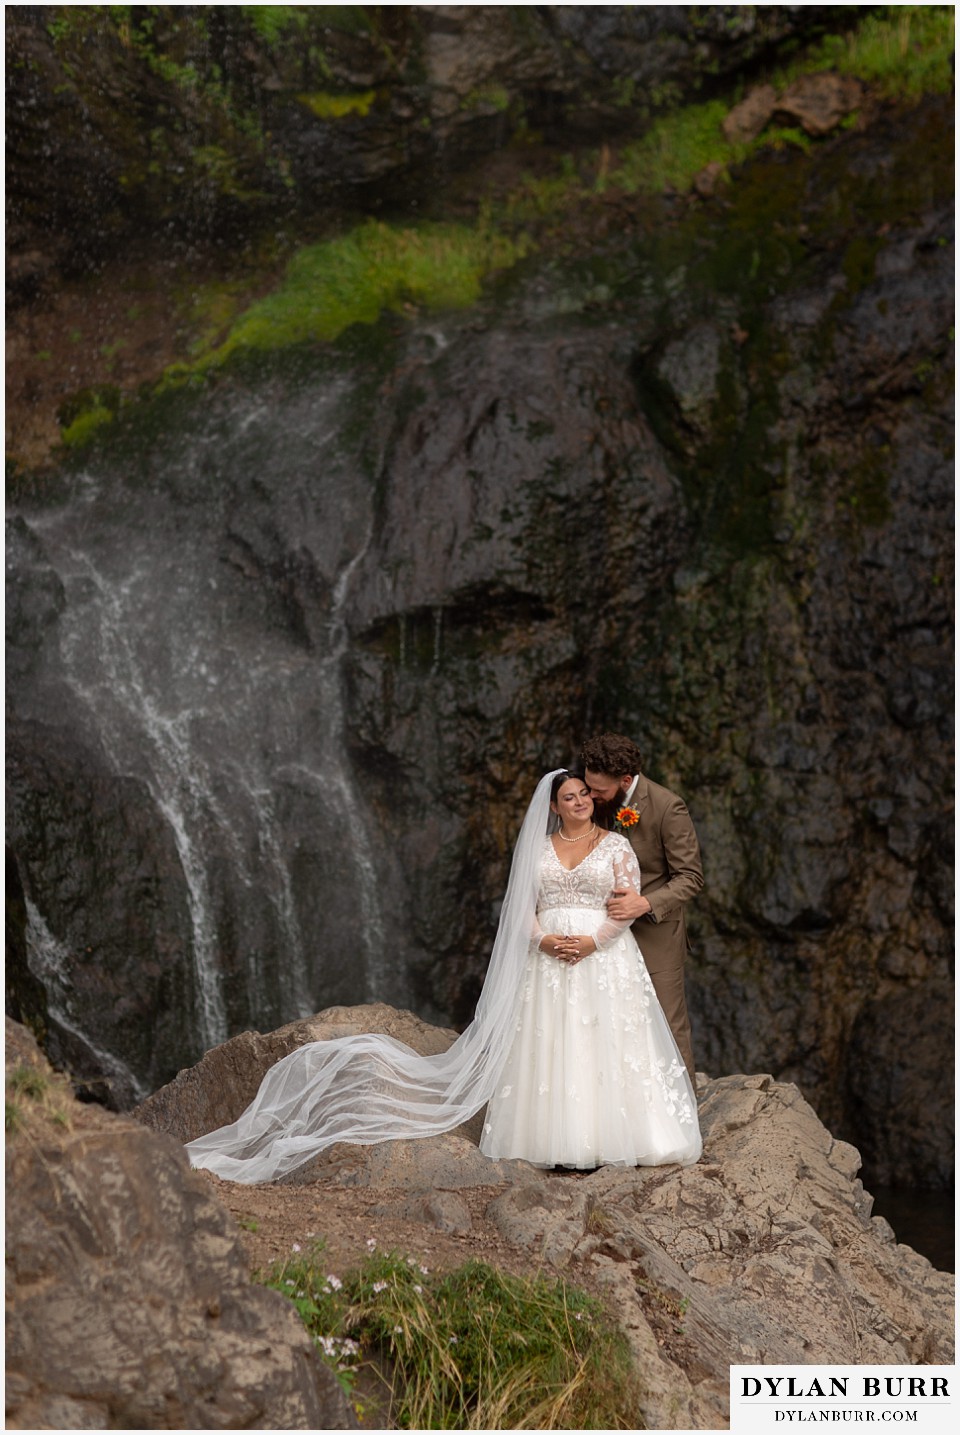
column 627, row 817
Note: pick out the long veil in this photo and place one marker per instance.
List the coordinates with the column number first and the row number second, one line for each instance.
column 369, row 1088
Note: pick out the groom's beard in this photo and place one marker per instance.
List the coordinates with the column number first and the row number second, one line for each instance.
column 605, row 813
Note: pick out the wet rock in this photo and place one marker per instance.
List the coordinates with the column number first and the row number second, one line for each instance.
column 34, row 596
column 690, row 368
column 922, row 1101
column 128, row 122
column 89, row 825
column 129, row 1305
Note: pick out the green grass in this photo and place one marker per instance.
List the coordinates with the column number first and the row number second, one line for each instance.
column 676, row 148
column 471, row 1349
column 28, row 1081
column 34, row 1096
column 903, row 50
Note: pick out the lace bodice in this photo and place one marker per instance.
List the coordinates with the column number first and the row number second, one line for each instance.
column 612, row 863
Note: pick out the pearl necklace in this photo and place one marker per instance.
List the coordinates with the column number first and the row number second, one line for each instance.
column 588, row 833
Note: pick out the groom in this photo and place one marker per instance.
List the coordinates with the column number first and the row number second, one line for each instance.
column 666, row 846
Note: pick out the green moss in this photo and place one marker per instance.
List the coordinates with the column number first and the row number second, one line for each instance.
column 85, row 413
column 335, row 107
column 904, row 52
column 489, row 97
column 220, row 166
column 866, row 491
column 83, row 428
column 271, row 22
column 353, row 279
column 778, row 137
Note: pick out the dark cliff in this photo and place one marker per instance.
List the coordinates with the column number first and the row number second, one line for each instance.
column 291, row 640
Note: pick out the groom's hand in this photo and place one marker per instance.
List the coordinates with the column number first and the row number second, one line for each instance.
column 626, row 905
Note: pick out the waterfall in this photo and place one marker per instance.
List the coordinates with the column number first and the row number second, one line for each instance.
column 198, row 658
column 50, row 961
column 335, row 779
column 143, row 740
column 293, row 976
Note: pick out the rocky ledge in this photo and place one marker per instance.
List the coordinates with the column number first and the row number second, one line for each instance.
column 765, row 1251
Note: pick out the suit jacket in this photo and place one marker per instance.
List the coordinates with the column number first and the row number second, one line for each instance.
column 665, row 842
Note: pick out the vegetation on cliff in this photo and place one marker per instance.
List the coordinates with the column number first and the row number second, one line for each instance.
column 470, row 1349
column 200, row 146
column 353, row 278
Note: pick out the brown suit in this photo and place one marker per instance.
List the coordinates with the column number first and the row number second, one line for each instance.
column 665, row 842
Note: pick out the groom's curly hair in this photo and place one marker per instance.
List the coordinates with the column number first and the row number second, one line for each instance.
column 611, row 754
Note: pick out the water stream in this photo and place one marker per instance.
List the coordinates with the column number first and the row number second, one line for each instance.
column 192, row 674
column 51, row 961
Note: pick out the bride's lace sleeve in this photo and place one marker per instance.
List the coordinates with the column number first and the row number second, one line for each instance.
column 626, row 873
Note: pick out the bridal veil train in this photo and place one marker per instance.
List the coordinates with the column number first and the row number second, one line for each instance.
column 369, row 1088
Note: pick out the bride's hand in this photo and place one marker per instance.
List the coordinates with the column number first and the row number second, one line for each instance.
column 583, row 947
column 556, row 945
column 572, row 949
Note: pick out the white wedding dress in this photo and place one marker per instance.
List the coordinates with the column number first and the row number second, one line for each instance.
column 593, row 1076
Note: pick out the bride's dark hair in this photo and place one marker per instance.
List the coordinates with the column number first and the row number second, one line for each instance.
column 563, row 777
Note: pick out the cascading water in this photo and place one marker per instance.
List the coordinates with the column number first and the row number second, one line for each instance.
column 50, row 961
column 125, row 702
column 185, row 664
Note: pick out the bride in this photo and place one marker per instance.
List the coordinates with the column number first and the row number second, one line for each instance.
column 568, row 1045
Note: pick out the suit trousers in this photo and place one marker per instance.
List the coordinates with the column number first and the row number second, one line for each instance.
column 663, row 945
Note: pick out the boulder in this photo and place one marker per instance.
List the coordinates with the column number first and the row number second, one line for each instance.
column 450, row 1162
column 765, row 1251
column 443, row 1210
column 819, row 102
column 747, row 119
column 129, row 1303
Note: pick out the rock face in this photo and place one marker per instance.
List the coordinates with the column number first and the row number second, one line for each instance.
column 129, row 1305
column 205, row 127
column 292, row 649
column 764, row 1252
